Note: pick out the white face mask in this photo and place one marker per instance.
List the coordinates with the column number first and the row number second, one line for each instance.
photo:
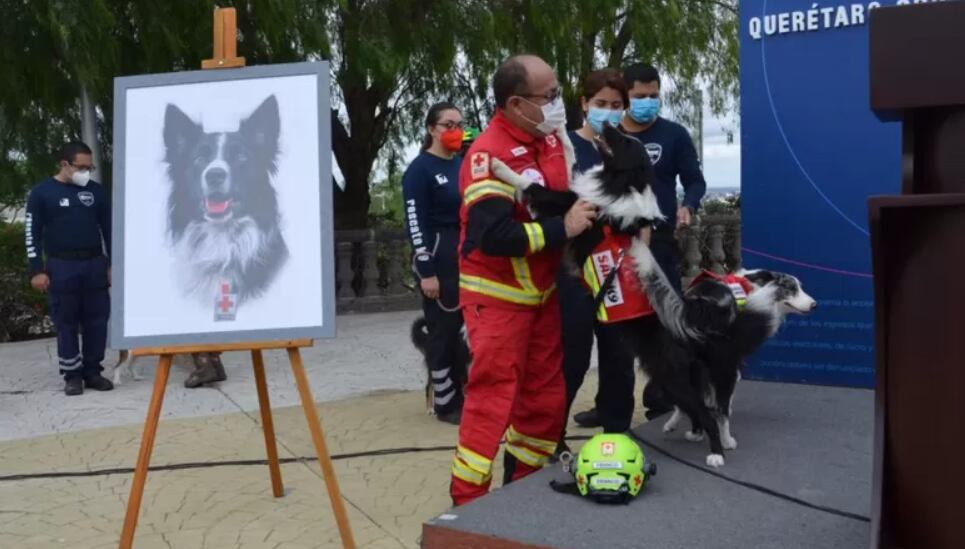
column 554, row 116
column 80, row 178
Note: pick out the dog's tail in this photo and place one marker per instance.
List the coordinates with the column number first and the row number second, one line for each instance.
column 420, row 334
column 669, row 306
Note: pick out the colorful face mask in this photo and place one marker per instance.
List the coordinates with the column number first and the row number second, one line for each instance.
column 451, row 139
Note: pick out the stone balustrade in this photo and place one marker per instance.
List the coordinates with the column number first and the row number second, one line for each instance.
column 373, row 267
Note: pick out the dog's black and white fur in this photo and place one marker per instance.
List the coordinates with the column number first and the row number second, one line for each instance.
column 620, row 188
column 694, row 348
column 459, row 370
column 223, row 215
column 702, row 340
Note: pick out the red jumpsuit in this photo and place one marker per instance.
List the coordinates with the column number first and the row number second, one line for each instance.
column 507, row 268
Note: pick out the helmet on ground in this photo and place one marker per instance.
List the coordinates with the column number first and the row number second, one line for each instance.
column 611, row 467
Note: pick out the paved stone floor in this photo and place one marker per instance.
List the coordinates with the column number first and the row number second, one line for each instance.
column 367, row 384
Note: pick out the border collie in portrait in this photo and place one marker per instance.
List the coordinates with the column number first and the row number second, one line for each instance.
column 223, row 215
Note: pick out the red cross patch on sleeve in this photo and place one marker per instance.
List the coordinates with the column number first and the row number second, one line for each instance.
column 479, row 166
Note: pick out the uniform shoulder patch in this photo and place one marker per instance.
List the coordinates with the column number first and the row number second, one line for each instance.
column 479, row 166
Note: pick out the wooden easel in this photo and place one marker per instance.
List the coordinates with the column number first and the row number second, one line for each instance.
column 225, row 56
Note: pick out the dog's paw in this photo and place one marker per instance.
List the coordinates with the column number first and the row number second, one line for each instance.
column 728, row 442
column 715, row 460
column 671, row 423
column 694, row 437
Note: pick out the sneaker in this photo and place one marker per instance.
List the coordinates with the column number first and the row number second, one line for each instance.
column 98, row 382
column 74, row 386
column 589, row 418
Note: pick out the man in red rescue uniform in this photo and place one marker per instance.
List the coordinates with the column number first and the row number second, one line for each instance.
column 507, row 267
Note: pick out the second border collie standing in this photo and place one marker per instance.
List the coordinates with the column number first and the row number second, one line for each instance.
column 223, row 214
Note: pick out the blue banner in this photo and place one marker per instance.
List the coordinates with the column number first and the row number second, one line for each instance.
column 811, row 154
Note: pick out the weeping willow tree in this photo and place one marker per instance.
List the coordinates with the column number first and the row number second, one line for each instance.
column 390, row 59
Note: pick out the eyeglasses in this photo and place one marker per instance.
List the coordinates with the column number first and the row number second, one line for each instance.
column 450, row 125
column 82, row 168
column 549, row 96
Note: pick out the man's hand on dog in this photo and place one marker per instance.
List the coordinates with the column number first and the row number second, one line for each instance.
column 579, row 218
column 430, row 287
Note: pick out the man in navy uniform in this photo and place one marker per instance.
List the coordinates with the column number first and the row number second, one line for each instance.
column 68, row 220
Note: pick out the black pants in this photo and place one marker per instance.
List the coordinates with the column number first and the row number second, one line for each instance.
column 666, row 251
column 614, row 400
column 80, row 305
column 444, row 321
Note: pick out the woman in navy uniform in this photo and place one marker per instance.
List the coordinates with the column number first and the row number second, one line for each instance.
column 430, row 190
column 69, row 221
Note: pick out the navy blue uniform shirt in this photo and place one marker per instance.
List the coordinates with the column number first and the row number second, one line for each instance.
column 430, row 191
column 672, row 153
column 586, row 154
column 63, row 217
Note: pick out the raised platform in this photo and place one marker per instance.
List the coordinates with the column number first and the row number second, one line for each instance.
column 800, row 478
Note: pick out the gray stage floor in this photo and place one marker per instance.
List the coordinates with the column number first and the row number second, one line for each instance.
column 800, row 478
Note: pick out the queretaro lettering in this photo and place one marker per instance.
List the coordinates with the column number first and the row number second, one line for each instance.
column 820, row 17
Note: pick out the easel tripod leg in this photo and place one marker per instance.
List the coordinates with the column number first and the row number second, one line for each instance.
column 315, row 427
column 144, row 456
column 258, row 362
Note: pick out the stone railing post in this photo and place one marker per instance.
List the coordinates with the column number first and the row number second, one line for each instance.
column 345, row 273
column 370, row 269
column 398, row 264
column 736, row 250
column 715, row 241
column 692, row 256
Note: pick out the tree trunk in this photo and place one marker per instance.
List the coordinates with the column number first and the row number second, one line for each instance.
column 88, row 129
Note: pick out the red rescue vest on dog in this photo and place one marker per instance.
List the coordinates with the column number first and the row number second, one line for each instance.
column 624, row 299
column 738, row 285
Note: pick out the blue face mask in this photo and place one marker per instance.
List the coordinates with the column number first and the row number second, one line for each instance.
column 644, row 109
column 596, row 117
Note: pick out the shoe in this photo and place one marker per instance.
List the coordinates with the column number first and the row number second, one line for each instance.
column 204, row 372
column 74, row 386
column 589, row 418
column 98, row 382
column 453, row 418
column 220, row 374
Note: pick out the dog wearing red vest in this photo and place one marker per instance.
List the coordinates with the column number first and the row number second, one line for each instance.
column 694, row 346
column 711, row 330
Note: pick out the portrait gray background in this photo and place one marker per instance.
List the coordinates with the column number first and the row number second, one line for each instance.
column 118, row 339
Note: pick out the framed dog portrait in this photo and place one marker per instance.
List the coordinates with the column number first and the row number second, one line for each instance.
column 222, row 207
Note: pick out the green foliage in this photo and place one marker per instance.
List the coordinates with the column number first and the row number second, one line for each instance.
column 22, row 310
column 730, row 204
column 390, row 60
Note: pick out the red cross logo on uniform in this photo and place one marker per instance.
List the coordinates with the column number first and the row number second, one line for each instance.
column 638, row 480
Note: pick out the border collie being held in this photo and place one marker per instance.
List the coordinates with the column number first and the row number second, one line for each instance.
column 620, row 188
column 223, row 215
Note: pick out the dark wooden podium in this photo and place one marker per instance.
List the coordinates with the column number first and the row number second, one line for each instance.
column 918, row 250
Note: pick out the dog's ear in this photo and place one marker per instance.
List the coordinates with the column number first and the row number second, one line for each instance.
column 180, row 132
column 263, row 126
column 759, row 278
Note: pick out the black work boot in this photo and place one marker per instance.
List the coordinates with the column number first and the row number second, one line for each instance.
column 589, row 418
column 74, row 386
column 98, row 382
column 218, row 367
column 204, row 371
